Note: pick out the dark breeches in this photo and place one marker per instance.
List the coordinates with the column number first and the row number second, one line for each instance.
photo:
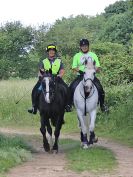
column 35, row 92
column 101, row 92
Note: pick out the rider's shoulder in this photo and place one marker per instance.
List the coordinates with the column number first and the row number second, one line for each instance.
column 78, row 54
column 93, row 55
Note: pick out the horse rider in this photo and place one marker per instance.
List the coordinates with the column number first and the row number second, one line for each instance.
column 56, row 65
column 79, row 66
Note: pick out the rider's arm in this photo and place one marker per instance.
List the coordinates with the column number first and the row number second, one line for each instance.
column 75, row 69
column 41, row 69
column 75, row 64
column 98, row 69
column 61, row 73
column 61, row 70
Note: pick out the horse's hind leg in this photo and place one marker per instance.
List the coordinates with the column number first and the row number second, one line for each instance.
column 43, row 131
column 93, row 139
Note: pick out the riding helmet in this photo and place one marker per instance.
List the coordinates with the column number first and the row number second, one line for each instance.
column 51, row 46
column 84, row 42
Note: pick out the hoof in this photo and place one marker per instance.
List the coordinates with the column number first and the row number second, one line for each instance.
column 55, row 151
column 85, row 146
column 46, row 147
column 95, row 140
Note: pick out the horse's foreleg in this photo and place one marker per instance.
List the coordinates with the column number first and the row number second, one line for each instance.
column 49, row 130
column 57, row 132
column 83, row 133
column 92, row 126
column 82, row 121
column 43, row 131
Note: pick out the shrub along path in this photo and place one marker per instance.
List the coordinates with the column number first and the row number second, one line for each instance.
column 52, row 165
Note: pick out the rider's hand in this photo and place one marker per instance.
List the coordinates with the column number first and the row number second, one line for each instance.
column 80, row 72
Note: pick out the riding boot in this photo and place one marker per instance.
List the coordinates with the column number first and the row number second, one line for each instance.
column 35, row 99
column 101, row 94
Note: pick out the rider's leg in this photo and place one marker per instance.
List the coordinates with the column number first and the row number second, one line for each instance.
column 101, row 94
column 34, row 97
column 67, row 107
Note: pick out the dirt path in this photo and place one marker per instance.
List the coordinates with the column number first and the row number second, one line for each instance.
column 53, row 165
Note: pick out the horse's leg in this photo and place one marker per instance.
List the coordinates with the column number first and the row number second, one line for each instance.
column 83, row 133
column 92, row 126
column 43, row 131
column 49, row 130
column 57, row 131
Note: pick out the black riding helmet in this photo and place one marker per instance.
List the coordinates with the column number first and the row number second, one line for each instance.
column 51, row 46
column 84, row 42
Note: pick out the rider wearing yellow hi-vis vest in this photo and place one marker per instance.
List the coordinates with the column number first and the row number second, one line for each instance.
column 79, row 66
column 54, row 67
column 53, row 63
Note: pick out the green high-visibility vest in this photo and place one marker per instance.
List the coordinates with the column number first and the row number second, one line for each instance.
column 55, row 66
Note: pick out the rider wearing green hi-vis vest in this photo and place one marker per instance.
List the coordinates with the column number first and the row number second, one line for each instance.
column 79, row 66
column 53, row 63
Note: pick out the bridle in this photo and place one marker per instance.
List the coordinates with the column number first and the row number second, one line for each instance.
column 86, row 97
column 85, row 80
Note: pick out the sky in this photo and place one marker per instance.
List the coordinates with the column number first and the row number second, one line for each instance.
column 36, row 12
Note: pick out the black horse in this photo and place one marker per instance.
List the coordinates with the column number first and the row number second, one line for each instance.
column 52, row 102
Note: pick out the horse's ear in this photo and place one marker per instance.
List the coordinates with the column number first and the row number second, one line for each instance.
column 50, row 71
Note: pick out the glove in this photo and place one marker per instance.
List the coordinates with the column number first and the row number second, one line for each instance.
column 80, row 72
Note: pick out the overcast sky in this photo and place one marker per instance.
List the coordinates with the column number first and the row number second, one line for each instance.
column 35, row 12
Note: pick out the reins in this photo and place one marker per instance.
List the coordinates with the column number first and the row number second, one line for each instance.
column 86, row 97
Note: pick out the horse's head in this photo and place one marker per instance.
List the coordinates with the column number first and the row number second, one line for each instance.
column 88, row 79
column 48, row 87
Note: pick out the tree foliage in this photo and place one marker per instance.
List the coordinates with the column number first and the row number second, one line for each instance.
column 110, row 35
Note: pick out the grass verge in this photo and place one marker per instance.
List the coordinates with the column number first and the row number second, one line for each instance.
column 13, row 151
column 95, row 159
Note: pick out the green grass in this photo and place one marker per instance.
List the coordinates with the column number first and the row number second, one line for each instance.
column 13, row 151
column 16, row 114
column 95, row 159
column 117, row 125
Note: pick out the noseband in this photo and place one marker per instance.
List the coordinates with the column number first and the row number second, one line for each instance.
column 85, row 80
column 86, row 97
